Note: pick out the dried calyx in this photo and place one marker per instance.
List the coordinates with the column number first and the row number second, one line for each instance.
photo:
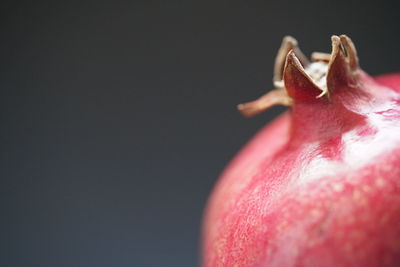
column 296, row 79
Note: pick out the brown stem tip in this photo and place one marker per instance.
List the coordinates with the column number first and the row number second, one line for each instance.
column 272, row 98
column 296, row 79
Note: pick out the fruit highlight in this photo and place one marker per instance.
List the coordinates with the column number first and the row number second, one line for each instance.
column 320, row 185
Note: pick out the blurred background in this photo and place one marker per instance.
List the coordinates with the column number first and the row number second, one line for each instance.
column 117, row 117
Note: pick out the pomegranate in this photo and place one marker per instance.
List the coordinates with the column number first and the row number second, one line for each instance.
column 320, row 185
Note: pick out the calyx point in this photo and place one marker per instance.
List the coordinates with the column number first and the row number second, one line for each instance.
column 296, row 79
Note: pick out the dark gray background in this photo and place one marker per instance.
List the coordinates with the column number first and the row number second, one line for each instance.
column 117, row 117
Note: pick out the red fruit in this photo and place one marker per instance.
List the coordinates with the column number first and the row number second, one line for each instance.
column 320, row 185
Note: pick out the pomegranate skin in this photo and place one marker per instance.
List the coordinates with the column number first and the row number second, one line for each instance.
column 391, row 80
column 320, row 185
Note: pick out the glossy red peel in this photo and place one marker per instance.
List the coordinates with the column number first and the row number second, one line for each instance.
column 320, row 185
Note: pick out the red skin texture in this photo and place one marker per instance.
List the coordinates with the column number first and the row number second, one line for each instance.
column 390, row 80
column 319, row 186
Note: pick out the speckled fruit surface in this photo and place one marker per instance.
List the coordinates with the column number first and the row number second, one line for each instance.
column 320, row 185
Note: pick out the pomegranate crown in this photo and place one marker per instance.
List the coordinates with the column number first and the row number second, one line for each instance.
column 297, row 79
